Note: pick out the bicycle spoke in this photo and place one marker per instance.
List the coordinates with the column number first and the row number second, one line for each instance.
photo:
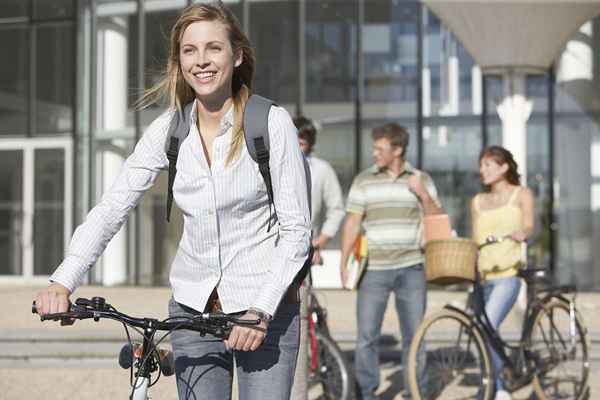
column 561, row 368
column 455, row 359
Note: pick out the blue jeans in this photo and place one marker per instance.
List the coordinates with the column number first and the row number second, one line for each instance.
column 499, row 296
column 408, row 285
column 204, row 367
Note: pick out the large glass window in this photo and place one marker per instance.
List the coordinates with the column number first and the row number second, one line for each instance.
column 330, row 36
column 452, row 82
column 14, row 9
column 36, row 86
column 54, row 79
column 274, row 35
column 44, row 9
column 158, row 29
column 577, row 161
column 11, row 212
column 14, row 81
column 450, row 156
column 389, row 41
column 452, row 137
column 49, row 212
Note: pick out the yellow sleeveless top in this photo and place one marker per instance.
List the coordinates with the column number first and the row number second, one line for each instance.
column 499, row 260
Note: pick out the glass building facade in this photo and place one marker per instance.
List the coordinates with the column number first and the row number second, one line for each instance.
column 68, row 119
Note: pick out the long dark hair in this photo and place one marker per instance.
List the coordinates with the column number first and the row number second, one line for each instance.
column 502, row 156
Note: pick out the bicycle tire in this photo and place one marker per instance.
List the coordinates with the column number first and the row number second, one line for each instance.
column 333, row 373
column 471, row 379
column 547, row 340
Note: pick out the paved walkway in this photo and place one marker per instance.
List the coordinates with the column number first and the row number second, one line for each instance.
column 44, row 359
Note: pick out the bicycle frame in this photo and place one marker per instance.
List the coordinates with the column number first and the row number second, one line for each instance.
column 535, row 302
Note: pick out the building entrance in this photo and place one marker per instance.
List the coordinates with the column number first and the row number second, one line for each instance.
column 35, row 206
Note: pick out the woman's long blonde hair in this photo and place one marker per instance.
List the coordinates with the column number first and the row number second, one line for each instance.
column 173, row 88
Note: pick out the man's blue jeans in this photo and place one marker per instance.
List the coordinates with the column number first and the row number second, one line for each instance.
column 408, row 286
column 204, row 367
column 499, row 296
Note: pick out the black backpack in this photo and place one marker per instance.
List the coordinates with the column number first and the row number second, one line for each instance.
column 256, row 135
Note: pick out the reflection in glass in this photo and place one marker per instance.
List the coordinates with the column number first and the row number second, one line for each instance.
column 274, row 35
column 538, row 180
column 390, row 54
column 451, row 157
column 330, row 50
column 54, row 79
column 14, row 9
column 49, row 210
column 11, row 212
column 13, row 82
column 44, row 9
column 451, row 80
column 158, row 29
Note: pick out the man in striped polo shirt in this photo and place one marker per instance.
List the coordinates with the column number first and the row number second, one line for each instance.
column 389, row 199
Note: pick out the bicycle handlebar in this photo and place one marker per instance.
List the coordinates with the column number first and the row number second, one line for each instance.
column 217, row 324
column 495, row 239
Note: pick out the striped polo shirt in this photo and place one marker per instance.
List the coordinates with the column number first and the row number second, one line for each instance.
column 392, row 216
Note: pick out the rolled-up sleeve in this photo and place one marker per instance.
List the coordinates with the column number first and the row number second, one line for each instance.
column 137, row 175
column 291, row 203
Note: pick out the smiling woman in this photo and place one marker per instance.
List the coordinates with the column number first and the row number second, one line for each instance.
column 211, row 68
column 207, row 60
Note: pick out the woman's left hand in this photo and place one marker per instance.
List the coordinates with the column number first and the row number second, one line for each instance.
column 247, row 338
column 518, row 236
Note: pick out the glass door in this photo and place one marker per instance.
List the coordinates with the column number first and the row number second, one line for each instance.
column 35, row 206
column 11, row 212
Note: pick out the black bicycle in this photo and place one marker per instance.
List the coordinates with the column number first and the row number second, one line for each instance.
column 552, row 352
column 328, row 367
column 145, row 359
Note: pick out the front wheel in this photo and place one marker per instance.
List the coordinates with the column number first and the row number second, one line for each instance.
column 330, row 374
column 449, row 359
column 559, row 350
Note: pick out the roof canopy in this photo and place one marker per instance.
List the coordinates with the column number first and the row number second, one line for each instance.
column 522, row 35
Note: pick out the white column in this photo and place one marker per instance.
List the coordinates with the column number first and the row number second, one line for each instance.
column 450, row 87
column 476, row 90
column 576, row 61
column 113, row 92
column 426, row 103
column 514, row 111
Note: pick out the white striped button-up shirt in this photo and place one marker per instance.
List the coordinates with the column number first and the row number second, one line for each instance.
column 225, row 243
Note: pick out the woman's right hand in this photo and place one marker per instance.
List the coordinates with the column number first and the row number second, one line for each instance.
column 53, row 299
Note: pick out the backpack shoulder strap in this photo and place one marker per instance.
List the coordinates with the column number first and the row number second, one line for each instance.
column 256, row 134
column 256, row 126
column 178, row 131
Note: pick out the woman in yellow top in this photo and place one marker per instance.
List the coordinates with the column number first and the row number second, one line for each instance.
column 503, row 209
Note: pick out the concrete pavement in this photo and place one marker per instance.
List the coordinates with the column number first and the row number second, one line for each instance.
column 58, row 359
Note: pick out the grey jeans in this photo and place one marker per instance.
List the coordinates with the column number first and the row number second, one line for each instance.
column 204, row 367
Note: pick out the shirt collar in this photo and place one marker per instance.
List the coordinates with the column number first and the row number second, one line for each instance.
column 226, row 120
column 408, row 169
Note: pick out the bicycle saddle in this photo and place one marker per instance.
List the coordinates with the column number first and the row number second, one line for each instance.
column 534, row 275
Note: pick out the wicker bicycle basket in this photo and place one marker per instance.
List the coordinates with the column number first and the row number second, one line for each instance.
column 450, row 261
